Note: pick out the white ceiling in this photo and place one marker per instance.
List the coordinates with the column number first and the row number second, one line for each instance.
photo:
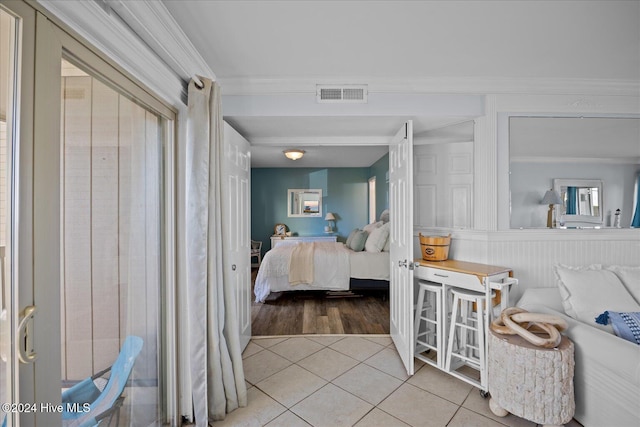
column 248, row 42
column 414, row 39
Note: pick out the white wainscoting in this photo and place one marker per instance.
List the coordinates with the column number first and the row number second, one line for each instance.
column 531, row 254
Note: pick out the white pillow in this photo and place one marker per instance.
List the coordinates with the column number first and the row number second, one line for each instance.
column 630, row 277
column 384, row 216
column 377, row 239
column 370, row 227
column 589, row 291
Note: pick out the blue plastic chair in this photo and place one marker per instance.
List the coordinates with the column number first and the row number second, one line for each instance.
column 85, row 405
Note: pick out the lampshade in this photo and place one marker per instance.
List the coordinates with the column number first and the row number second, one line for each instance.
column 551, row 198
column 293, row 154
column 329, row 217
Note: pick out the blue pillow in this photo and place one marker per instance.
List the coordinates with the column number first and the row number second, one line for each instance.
column 351, row 235
column 625, row 325
column 358, row 241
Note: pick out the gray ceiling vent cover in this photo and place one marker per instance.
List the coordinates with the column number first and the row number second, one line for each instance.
column 350, row 94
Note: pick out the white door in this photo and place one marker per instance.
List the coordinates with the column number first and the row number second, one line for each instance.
column 401, row 208
column 236, row 217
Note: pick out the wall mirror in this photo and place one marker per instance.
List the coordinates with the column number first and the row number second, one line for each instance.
column 304, row 202
column 582, row 200
column 583, row 153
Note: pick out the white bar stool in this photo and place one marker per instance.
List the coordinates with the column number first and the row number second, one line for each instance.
column 429, row 314
column 471, row 348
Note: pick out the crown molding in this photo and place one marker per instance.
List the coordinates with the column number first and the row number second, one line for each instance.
column 461, row 85
column 153, row 23
column 140, row 36
column 112, row 38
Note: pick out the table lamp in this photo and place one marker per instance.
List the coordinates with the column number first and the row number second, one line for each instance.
column 329, row 217
column 551, row 198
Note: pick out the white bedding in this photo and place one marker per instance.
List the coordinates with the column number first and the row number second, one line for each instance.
column 369, row 265
column 334, row 265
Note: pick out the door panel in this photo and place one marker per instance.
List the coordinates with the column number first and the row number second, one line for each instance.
column 98, row 226
column 9, row 59
column 401, row 248
column 444, row 185
column 236, row 173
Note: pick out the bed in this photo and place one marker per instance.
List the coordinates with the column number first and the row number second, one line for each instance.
column 299, row 266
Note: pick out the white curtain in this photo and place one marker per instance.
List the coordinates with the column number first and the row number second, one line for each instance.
column 215, row 359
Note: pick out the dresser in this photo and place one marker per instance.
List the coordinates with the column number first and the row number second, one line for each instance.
column 310, row 238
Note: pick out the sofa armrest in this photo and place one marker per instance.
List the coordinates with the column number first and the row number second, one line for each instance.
column 607, row 373
column 617, row 354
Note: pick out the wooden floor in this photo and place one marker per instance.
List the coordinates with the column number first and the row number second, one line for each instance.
column 319, row 312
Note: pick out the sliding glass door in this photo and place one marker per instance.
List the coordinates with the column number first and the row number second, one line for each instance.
column 9, row 38
column 86, row 214
column 111, row 223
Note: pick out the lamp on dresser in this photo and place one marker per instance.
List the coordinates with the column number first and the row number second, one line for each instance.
column 329, row 217
column 551, row 198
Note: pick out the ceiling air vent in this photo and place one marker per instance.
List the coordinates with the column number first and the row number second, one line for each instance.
column 351, row 94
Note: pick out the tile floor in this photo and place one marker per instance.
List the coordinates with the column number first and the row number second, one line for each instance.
column 352, row 381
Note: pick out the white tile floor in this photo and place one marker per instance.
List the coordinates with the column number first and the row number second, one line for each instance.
column 353, row 381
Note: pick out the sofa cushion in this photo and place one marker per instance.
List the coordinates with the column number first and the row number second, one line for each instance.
column 549, row 297
column 630, row 278
column 589, row 291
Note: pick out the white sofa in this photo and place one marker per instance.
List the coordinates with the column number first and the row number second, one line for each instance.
column 607, row 368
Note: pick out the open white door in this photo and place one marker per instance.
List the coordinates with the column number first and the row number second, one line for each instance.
column 401, row 257
column 236, row 245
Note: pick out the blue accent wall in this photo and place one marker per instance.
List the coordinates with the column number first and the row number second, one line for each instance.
column 344, row 192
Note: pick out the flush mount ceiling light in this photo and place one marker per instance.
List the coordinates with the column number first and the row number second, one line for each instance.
column 293, row 154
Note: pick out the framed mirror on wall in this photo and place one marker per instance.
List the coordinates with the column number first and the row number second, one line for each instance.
column 590, row 152
column 581, row 201
column 303, row 203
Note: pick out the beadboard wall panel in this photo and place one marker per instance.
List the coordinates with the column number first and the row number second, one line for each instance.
column 531, row 254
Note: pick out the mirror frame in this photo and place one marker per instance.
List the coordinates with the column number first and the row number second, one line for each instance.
column 291, row 191
column 558, row 183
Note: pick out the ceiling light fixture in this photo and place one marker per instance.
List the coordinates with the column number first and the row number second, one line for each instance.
column 294, row 154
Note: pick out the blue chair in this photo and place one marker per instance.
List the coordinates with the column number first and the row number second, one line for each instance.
column 85, row 405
